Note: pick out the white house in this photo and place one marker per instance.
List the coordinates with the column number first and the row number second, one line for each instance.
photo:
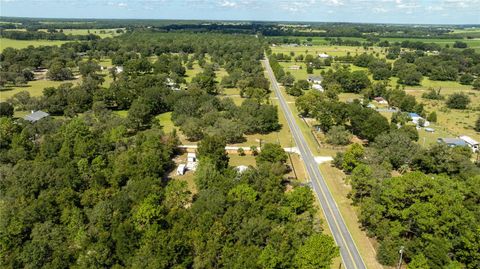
column 417, row 118
column 323, row 55
column 181, row 169
column 472, row 143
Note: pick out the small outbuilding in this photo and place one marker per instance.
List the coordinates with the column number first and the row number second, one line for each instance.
column 181, row 169
column 323, row 56
column 241, row 168
column 317, row 87
column 381, row 100
column 36, row 116
column 192, row 161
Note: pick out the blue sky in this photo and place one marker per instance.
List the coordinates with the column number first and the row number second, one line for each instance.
column 388, row 11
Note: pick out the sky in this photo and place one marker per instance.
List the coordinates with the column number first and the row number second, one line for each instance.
column 378, row 11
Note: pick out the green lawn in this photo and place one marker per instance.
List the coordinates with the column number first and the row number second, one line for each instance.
column 166, row 121
column 20, row 44
column 35, row 88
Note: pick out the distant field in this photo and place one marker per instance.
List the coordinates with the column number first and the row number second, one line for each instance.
column 100, row 32
column 21, row 44
column 35, row 88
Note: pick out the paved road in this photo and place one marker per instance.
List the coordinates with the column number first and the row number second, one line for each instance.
column 348, row 250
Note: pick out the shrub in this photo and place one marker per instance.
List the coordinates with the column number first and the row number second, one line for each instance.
column 337, row 135
column 458, row 101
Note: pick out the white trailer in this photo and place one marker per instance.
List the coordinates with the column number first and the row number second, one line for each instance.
column 472, row 143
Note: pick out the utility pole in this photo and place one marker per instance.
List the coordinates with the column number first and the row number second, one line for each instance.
column 401, row 256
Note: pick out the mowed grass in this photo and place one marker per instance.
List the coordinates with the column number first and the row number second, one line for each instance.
column 21, row 44
column 35, row 88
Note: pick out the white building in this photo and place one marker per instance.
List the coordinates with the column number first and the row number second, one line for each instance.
column 323, row 55
column 417, row 118
column 181, row 169
column 317, row 87
column 192, row 161
column 241, row 168
column 472, row 143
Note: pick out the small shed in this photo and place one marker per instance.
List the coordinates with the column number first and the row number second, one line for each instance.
column 381, row 100
column 323, row 55
column 181, row 169
column 36, row 116
column 416, row 119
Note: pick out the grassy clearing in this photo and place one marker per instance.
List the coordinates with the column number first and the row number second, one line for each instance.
column 190, row 73
column 35, row 88
column 21, row 44
column 236, row 160
column 166, row 121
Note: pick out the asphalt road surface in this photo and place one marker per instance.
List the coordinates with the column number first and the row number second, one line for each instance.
column 348, row 250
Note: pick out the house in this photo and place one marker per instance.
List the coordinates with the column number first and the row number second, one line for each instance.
column 417, row 118
column 314, row 79
column 36, row 116
column 472, row 143
column 323, row 56
column 380, row 100
column 317, row 87
column 181, row 169
column 192, row 161
column 294, row 67
column 452, row 142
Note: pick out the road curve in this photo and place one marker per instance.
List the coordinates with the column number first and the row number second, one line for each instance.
column 348, row 250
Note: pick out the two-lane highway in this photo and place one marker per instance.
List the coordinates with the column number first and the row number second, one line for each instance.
column 348, row 250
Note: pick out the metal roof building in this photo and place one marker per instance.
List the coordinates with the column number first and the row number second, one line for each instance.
column 36, row 116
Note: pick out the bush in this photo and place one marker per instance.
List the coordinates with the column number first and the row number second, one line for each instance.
column 458, row 101
column 6, row 109
column 241, row 152
column 466, row 79
column 337, row 135
column 477, row 125
column 433, row 94
column 476, row 84
column 432, row 117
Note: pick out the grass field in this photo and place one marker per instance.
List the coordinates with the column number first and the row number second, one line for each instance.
column 35, row 88
column 21, row 44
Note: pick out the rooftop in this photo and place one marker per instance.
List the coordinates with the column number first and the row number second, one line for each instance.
column 36, row 115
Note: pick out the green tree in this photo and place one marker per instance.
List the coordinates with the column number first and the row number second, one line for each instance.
column 338, row 135
column 432, row 117
column 213, row 149
column 353, row 156
column 318, row 251
column 139, row 115
column 476, row 84
column 458, row 101
column 6, row 109
column 271, row 153
column 466, row 79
